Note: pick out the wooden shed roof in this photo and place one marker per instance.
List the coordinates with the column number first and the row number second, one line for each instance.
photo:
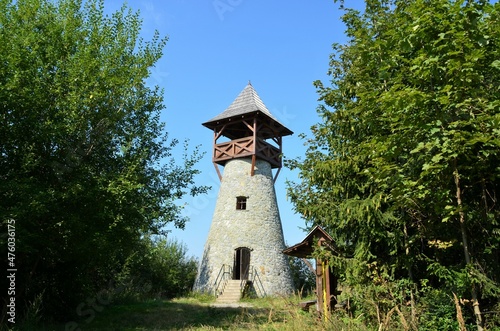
column 305, row 248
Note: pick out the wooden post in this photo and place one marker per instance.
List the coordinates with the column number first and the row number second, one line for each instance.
column 216, row 136
column 254, row 159
column 328, row 290
column 324, row 291
column 218, row 171
column 254, row 156
column 319, row 286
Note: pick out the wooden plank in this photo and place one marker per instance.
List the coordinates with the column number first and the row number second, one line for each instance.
column 218, row 134
column 252, row 170
column 218, row 171
column 234, row 148
column 304, row 305
column 276, row 175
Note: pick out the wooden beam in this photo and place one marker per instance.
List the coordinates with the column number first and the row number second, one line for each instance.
column 252, row 170
column 218, row 133
column 254, row 134
column 218, row 171
column 276, row 175
column 250, row 127
column 319, row 285
column 309, row 265
column 328, row 293
column 254, row 156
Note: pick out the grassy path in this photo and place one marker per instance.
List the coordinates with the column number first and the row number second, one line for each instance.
column 281, row 314
column 165, row 315
column 189, row 314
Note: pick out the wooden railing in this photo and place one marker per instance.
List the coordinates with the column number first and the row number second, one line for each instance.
column 246, row 147
column 268, row 152
column 234, row 148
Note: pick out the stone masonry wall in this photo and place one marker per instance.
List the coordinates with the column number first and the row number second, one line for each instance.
column 258, row 228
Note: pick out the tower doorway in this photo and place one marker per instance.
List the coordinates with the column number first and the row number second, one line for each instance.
column 241, row 263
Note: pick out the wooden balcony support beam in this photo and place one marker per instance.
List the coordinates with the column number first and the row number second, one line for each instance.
column 249, row 126
column 276, row 175
column 252, row 169
column 217, row 134
column 254, row 156
column 218, row 171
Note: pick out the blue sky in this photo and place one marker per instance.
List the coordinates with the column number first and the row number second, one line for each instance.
column 215, row 47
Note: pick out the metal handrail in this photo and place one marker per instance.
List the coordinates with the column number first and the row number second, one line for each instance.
column 254, row 279
column 244, row 281
column 257, row 283
column 226, row 273
column 222, row 278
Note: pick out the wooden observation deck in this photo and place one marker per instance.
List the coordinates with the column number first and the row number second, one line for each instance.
column 251, row 130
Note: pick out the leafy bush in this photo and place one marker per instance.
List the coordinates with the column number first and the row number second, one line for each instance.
column 439, row 312
column 303, row 278
column 159, row 269
column 96, row 171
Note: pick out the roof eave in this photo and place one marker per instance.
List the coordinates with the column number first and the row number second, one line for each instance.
column 214, row 123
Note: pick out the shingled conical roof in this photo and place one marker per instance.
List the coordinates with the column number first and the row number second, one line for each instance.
column 247, row 104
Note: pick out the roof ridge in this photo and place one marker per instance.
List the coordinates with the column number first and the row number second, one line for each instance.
column 246, row 102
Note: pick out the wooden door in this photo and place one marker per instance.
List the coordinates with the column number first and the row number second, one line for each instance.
column 241, row 266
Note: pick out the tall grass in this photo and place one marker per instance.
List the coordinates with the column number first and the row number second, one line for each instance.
column 198, row 312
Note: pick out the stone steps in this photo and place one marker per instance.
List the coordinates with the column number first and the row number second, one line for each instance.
column 232, row 292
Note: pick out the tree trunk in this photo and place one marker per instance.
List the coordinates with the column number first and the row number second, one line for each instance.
column 465, row 242
column 413, row 320
column 460, row 317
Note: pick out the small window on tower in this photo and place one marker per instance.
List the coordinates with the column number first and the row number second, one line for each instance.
column 241, row 203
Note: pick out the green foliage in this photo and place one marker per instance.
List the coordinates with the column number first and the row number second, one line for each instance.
column 86, row 169
column 403, row 169
column 191, row 314
column 161, row 269
column 303, row 278
column 439, row 312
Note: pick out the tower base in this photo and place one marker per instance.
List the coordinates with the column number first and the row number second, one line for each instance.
column 245, row 240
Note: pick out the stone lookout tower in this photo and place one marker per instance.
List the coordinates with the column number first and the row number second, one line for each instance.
column 245, row 241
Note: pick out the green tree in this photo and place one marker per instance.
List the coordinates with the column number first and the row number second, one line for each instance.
column 303, row 275
column 167, row 267
column 159, row 268
column 403, row 169
column 86, row 169
column 174, row 271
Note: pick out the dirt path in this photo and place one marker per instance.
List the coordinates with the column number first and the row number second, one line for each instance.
column 231, row 305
